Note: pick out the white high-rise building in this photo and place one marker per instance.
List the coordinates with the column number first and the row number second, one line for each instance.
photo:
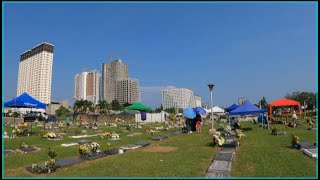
column 111, row 73
column 87, row 86
column 128, row 91
column 197, row 101
column 35, row 72
column 178, row 98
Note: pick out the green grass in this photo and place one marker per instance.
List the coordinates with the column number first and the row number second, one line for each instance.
column 263, row 155
column 260, row 154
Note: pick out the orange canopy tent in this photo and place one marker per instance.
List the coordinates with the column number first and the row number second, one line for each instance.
column 284, row 102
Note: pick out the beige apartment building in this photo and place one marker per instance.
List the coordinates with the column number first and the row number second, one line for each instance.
column 111, row 73
column 87, row 86
column 128, row 91
column 35, row 72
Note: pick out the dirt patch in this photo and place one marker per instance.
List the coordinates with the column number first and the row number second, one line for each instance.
column 160, row 149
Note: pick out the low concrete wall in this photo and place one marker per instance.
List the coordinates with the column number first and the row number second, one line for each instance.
column 11, row 120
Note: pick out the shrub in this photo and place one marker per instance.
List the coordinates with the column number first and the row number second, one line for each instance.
column 52, row 154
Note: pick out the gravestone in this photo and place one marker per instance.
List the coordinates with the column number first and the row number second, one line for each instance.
column 159, row 138
column 142, row 144
column 310, row 152
column 305, row 145
column 69, row 144
column 230, row 143
column 111, row 151
column 30, row 149
column 8, row 152
column 69, row 162
column 130, row 146
column 219, row 174
column 97, row 155
column 228, row 150
column 84, row 141
column 220, row 166
column 224, row 156
column 177, row 132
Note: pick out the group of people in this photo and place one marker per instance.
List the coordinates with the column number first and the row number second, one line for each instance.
column 194, row 124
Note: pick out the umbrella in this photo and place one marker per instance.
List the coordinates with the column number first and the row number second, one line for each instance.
column 199, row 110
column 189, row 113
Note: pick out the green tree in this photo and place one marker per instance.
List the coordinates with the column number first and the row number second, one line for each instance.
column 115, row 105
column 126, row 104
column 159, row 109
column 309, row 98
column 88, row 106
column 171, row 110
column 78, row 106
column 62, row 111
column 103, row 107
column 263, row 102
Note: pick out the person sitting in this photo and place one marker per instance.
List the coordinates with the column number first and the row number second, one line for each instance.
column 235, row 124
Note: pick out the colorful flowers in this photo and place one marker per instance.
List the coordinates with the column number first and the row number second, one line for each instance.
column 94, row 146
column 84, row 150
column 49, row 135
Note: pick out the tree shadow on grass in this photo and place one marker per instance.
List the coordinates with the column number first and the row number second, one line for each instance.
column 246, row 129
column 210, row 144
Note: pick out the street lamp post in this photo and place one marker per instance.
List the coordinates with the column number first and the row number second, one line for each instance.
column 211, row 88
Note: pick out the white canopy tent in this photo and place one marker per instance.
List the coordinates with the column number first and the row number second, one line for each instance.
column 216, row 110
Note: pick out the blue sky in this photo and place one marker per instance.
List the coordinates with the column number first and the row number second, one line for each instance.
column 247, row 50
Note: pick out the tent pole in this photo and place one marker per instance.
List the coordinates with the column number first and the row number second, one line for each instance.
column 262, row 121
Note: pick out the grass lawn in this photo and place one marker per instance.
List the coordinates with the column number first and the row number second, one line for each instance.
column 260, row 154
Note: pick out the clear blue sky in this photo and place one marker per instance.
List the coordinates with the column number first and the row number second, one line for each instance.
column 247, row 50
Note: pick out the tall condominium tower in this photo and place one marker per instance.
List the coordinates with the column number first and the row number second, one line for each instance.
column 197, row 101
column 128, row 91
column 87, row 86
column 35, row 72
column 111, row 73
column 178, row 98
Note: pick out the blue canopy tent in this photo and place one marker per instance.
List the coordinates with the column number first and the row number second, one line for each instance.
column 247, row 108
column 24, row 101
column 232, row 107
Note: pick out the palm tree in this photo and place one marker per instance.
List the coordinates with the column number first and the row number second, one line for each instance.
column 103, row 107
column 78, row 105
column 87, row 106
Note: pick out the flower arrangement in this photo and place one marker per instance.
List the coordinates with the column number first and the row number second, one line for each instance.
column 218, row 139
column 295, row 139
column 115, row 135
column 49, row 135
column 94, row 147
column 23, row 145
column 105, row 135
column 84, row 150
column 113, row 125
column 16, row 131
column 239, row 133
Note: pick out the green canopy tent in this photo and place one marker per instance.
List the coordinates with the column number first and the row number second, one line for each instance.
column 138, row 106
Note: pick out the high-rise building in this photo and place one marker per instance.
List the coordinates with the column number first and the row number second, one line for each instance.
column 35, row 72
column 87, row 86
column 178, row 98
column 197, row 101
column 111, row 73
column 128, row 91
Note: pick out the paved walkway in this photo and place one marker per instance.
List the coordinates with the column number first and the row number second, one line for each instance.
column 222, row 162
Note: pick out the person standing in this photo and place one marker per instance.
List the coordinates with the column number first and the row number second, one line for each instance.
column 67, row 123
